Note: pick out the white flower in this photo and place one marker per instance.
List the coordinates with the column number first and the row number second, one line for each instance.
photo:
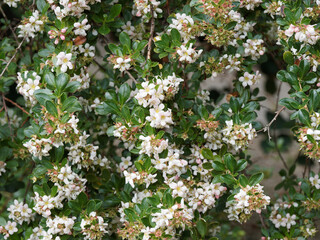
column 65, row 61
column 159, row 118
column 12, row 3
column 2, row 167
column 178, row 189
column 189, row 54
column 11, row 227
column 123, row 64
column 81, row 27
column 87, row 50
column 249, row 79
column 315, row 181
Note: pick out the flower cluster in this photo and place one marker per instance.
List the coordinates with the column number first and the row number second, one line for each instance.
column 60, row 225
column 183, row 23
column 142, row 8
column 280, row 218
column 188, row 54
column 27, row 84
column 93, row 227
column 238, row 136
column 250, row 198
column 69, row 184
column 167, row 220
column 303, row 33
column 20, row 212
column 139, row 178
column 250, row 79
column 29, row 27
column 309, row 137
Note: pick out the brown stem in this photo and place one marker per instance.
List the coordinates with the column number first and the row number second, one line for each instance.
column 262, row 221
column 13, row 33
column 11, row 59
column 267, row 127
column 151, row 34
column 8, row 118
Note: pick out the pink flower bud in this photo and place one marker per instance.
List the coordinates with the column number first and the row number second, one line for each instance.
column 56, row 41
column 50, row 32
column 318, row 84
column 63, row 30
column 69, row 5
column 62, row 37
column 198, row 161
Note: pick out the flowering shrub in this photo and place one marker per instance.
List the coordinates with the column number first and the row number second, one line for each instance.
column 107, row 133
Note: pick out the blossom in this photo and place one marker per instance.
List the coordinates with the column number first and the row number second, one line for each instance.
column 81, row 27
column 64, row 59
column 87, row 50
column 188, row 54
column 315, row 181
column 11, row 227
column 159, row 118
column 12, row 3
column 122, row 64
column 249, row 79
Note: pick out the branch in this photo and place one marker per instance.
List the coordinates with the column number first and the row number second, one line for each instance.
column 6, row 111
column 14, row 34
column 11, row 59
column 130, row 75
column 267, row 127
column 18, row 106
column 151, row 34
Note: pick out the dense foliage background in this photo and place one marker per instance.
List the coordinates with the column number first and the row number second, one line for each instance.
column 152, row 119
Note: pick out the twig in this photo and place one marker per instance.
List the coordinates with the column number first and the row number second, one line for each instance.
column 1, row 109
column 262, row 221
column 151, row 34
column 267, row 127
column 18, row 106
column 280, row 155
column 130, row 75
column 14, row 34
column 99, row 65
column 8, row 118
column 29, row 183
column 14, row 55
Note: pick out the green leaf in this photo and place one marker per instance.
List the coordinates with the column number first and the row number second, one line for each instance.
column 124, row 93
column 288, row 57
column 51, row 108
column 39, row 171
column 241, row 165
column 176, row 36
column 115, row 11
column 61, row 82
column 303, row 116
column 207, row 153
column 230, row 162
column 243, row 180
column 202, row 228
column 289, row 103
column 43, row 95
column 72, row 87
column 91, row 206
column 218, row 166
column 50, row 80
column 255, row 179
column 115, row 49
column 228, row 179
column 42, row 6
column 125, row 39
column 104, row 29
column 71, row 104
column 142, row 44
